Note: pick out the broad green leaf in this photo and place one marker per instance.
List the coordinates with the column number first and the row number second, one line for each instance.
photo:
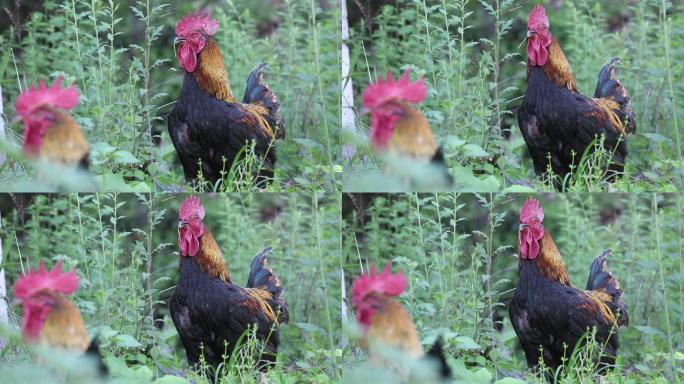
column 126, row 341
column 168, row 379
column 125, row 157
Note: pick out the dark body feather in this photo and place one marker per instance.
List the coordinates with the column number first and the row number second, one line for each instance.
column 94, row 353
column 208, row 311
column 547, row 314
column 556, row 121
column 439, row 161
column 436, row 354
column 207, row 129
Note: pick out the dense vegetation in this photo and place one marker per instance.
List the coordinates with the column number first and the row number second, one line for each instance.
column 120, row 55
column 459, row 253
column 125, row 250
column 458, row 250
column 472, row 54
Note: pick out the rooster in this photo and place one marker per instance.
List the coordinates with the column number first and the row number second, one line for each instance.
column 397, row 126
column 386, row 323
column 208, row 309
column 49, row 317
column 547, row 312
column 50, row 133
column 558, row 122
column 209, row 127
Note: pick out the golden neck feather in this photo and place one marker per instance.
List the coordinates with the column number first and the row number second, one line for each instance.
column 412, row 135
column 392, row 326
column 210, row 258
column 550, row 262
column 558, row 69
column 211, row 73
column 63, row 327
column 64, row 141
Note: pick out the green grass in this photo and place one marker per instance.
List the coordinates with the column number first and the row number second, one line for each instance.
column 473, row 60
column 459, row 253
column 121, row 57
column 124, row 248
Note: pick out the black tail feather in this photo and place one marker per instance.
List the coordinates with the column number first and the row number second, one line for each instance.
column 257, row 92
column 93, row 352
column 439, row 161
column 607, row 83
column 609, row 86
column 436, row 353
column 598, row 273
column 261, row 276
column 601, row 278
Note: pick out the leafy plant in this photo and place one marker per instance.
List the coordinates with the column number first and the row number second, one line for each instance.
column 470, row 54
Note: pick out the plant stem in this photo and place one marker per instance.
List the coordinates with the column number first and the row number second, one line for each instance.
column 84, row 88
column 148, row 282
column 321, row 267
column 670, row 81
column 666, row 311
column 317, row 58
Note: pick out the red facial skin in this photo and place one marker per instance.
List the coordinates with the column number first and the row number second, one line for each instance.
column 531, row 229
column 36, row 291
column 383, row 120
column 369, row 290
column 189, row 232
column 538, row 37
column 192, row 32
column 384, row 98
column 365, row 310
column 36, row 310
column 38, row 106
column 190, row 226
column 528, row 239
column 35, row 126
column 190, row 47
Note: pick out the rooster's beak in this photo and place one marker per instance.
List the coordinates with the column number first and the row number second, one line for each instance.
column 182, row 224
column 530, row 33
column 17, row 120
column 522, row 226
column 15, row 301
column 363, row 111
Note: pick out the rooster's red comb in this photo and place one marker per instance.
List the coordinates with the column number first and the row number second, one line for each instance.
column 537, row 17
column 385, row 283
column 41, row 280
column 199, row 21
column 403, row 89
column 191, row 206
column 54, row 96
column 531, row 210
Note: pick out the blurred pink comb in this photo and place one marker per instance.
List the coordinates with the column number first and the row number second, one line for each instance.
column 531, row 210
column 191, row 206
column 55, row 96
column 403, row 89
column 385, row 283
column 537, row 16
column 41, row 280
column 199, row 21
